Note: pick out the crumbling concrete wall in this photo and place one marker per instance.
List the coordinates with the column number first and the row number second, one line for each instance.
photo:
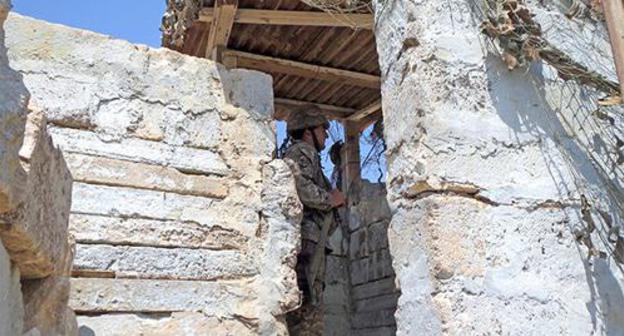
column 372, row 279
column 184, row 224
column 485, row 180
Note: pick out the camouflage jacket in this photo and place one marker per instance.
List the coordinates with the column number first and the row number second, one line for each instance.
column 313, row 189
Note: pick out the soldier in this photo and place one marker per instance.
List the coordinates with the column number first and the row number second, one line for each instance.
column 307, row 130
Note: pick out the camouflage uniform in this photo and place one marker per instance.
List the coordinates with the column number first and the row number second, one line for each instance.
column 314, row 193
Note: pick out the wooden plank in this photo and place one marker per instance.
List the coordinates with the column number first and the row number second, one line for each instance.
column 330, row 111
column 77, row 273
column 221, row 26
column 367, row 111
column 294, row 18
column 614, row 15
column 295, row 68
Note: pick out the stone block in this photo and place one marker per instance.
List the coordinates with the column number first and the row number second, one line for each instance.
column 375, row 288
column 45, row 301
column 379, row 318
column 378, row 331
column 112, row 172
column 163, row 263
column 95, row 229
column 380, row 302
column 358, row 244
column 138, row 295
column 113, row 201
column 180, row 323
column 13, row 101
column 36, row 234
column 186, row 159
column 377, row 266
column 336, row 325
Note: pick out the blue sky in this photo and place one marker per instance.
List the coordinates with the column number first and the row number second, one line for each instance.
column 137, row 21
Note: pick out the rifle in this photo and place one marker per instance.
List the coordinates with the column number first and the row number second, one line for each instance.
column 318, row 258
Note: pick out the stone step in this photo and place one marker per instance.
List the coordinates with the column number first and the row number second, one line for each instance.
column 95, row 229
column 163, row 263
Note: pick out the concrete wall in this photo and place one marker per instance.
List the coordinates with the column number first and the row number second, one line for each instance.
column 486, row 172
column 182, row 219
column 373, row 291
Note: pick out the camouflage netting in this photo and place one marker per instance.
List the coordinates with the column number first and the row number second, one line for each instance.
column 340, row 6
column 178, row 17
column 520, row 38
column 583, row 94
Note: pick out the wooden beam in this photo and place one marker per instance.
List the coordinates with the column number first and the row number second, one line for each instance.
column 367, row 111
column 295, row 68
column 220, row 27
column 330, row 111
column 371, row 119
column 351, row 176
column 614, row 15
column 295, row 18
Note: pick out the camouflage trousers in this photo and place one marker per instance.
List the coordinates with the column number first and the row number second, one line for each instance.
column 308, row 319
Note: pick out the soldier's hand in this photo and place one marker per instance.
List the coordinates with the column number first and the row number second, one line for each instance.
column 337, row 198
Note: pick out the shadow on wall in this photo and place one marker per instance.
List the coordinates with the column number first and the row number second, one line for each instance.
column 539, row 104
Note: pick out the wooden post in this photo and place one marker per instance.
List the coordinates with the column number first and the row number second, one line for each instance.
column 220, row 27
column 351, row 177
column 614, row 15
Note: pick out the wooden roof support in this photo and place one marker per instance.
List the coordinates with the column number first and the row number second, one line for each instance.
column 220, row 27
column 294, row 18
column 371, row 119
column 352, row 173
column 614, row 15
column 295, row 68
column 330, row 111
column 365, row 112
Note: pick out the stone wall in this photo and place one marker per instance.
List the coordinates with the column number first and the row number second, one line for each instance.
column 337, row 287
column 485, row 177
column 182, row 219
column 373, row 291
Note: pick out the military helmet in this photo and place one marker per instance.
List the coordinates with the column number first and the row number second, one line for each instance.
column 306, row 116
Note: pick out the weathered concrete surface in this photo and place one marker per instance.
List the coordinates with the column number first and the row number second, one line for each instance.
column 13, row 101
column 176, row 187
column 484, row 180
column 36, row 236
